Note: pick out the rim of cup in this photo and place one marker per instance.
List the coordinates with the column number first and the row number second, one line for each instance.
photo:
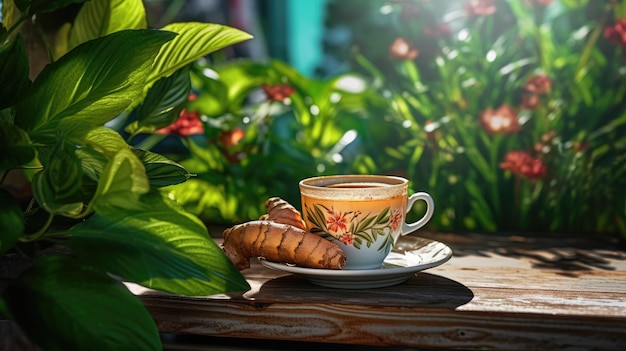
column 357, row 187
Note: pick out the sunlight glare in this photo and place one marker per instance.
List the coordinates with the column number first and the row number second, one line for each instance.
column 315, row 110
column 351, row 84
column 463, row 35
column 348, row 137
column 386, row 9
column 211, row 74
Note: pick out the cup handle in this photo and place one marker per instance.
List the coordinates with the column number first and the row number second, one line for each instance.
column 430, row 209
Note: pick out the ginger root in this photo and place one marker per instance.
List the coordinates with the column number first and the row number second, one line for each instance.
column 281, row 211
column 279, row 242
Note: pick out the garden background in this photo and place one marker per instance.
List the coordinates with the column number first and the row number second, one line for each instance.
column 509, row 112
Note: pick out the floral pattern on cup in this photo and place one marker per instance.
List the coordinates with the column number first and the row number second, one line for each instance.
column 354, row 228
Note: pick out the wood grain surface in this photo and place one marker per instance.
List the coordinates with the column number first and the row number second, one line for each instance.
column 504, row 292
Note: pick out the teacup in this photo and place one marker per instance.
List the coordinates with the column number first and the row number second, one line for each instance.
column 364, row 214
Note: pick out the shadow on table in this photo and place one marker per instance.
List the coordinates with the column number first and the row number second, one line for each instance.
column 554, row 251
column 422, row 290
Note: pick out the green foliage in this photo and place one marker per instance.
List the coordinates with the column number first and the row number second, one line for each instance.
column 152, row 257
column 13, row 64
column 64, row 304
column 93, row 192
column 194, row 41
column 99, row 18
column 254, row 147
column 559, row 131
column 470, row 64
column 425, row 115
column 91, row 85
column 163, row 103
column 11, row 221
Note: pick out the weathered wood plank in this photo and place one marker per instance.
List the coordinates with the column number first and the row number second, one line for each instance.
column 369, row 325
column 512, row 293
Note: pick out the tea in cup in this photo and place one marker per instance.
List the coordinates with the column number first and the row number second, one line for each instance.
column 364, row 214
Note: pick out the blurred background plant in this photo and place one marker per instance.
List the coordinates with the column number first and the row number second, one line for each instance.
column 517, row 109
column 263, row 127
column 510, row 113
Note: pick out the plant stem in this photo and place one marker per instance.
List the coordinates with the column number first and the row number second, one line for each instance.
column 591, row 44
column 517, row 201
column 493, row 158
column 40, row 233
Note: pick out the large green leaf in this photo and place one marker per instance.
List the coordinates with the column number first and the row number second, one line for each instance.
column 158, row 246
column 105, row 140
column 161, row 171
column 63, row 169
column 15, row 146
column 99, row 146
column 121, row 183
column 43, row 6
column 62, row 304
column 90, row 84
column 13, row 72
column 57, row 187
column 93, row 163
column 11, row 221
column 98, row 18
column 11, row 15
column 163, row 103
column 195, row 40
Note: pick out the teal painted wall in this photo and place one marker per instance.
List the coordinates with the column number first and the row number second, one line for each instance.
column 305, row 27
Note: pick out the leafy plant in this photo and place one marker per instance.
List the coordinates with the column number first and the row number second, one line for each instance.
column 517, row 127
column 265, row 127
column 510, row 113
column 98, row 216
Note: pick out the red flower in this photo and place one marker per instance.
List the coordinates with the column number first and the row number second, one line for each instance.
column 336, row 221
column 530, row 101
column 347, row 238
column 277, row 92
column 617, row 32
column 480, row 7
column 522, row 163
column 401, row 49
column 539, row 84
column 188, row 123
column 395, row 220
column 500, row 121
column 231, row 138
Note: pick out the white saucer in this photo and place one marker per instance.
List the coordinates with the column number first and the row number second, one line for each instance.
column 410, row 255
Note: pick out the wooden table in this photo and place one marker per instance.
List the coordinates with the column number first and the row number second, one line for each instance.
column 497, row 292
